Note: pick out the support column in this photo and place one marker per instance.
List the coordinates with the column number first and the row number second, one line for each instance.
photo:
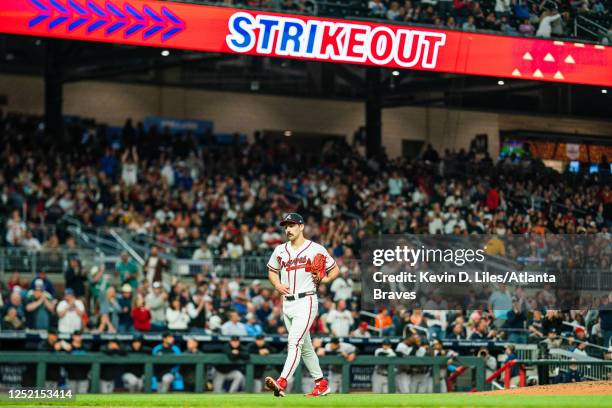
column 373, row 111
column 53, row 88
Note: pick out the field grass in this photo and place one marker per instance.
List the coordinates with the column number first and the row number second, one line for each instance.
column 337, row 400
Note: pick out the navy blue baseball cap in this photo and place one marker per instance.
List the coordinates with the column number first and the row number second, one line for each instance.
column 292, row 218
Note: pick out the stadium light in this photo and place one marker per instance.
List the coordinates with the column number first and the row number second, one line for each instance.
column 500, row 82
column 604, row 91
column 165, row 53
column 288, row 133
column 395, row 73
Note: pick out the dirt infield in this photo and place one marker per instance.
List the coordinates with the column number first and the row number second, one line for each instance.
column 583, row 388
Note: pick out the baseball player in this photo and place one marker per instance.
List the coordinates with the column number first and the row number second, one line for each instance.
column 380, row 380
column 295, row 269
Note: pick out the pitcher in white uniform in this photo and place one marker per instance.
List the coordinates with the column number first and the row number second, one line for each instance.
column 289, row 270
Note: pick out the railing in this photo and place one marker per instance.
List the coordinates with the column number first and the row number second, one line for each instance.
column 591, row 372
column 505, row 370
column 200, row 361
column 452, row 379
column 53, row 261
column 583, row 365
column 19, row 259
column 589, row 26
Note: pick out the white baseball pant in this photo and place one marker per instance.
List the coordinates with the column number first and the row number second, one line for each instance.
column 402, row 382
column 299, row 315
column 421, row 383
column 380, row 383
column 235, row 376
column 132, row 382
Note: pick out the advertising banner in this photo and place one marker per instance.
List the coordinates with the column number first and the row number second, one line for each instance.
column 228, row 30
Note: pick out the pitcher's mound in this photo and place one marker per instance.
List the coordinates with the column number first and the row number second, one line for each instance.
column 581, row 388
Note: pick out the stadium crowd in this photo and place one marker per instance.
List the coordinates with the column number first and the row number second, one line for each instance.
column 224, row 201
column 511, row 17
column 544, row 18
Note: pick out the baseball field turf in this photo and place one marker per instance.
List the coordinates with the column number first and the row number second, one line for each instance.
column 332, row 401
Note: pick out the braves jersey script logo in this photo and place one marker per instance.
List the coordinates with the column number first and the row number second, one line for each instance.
column 297, row 263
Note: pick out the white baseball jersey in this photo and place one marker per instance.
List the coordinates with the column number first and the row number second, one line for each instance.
column 292, row 265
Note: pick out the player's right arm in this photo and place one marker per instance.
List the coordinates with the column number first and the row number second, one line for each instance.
column 274, row 278
column 274, row 268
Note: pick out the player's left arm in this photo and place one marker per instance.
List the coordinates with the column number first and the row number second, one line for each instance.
column 331, row 274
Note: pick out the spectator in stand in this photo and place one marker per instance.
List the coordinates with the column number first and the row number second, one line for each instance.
column 155, row 266
column 361, row 330
column 40, row 306
column 342, row 286
column 340, row 320
column 141, row 316
column 70, row 312
column 15, row 281
column 47, row 284
column 203, row 253
column 15, row 229
column 157, row 301
column 605, row 315
column 535, row 326
column 515, row 324
column 469, row 24
column 125, row 303
column 502, row 8
column 521, row 9
column 394, row 11
column 30, row 242
column 129, row 167
column 128, row 270
column 233, row 327
column 177, row 317
column 14, row 313
column 526, row 28
column 235, row 353
column 546, row 20
column 109, row 311
column 98, row 282
column 253, row 328
column 500, row 303
column 377, row 8
column 457, row 333
column 76, row 277
column 384, row 322
column 460, row 11
column 12, row 320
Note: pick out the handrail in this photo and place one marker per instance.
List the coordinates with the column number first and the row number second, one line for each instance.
column 505, row 369
column 128, row 248
column 596, row 24
column 96, row 359
column 450, row 381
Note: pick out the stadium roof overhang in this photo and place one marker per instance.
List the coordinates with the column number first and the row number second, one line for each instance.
column 216, row 48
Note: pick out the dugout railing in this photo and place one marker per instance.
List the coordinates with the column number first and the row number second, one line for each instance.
column 202, row 361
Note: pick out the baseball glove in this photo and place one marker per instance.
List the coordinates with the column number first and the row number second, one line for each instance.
column 317, row 268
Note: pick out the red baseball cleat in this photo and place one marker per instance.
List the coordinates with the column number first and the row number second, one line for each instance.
column 278, row 386
column 321, row 388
